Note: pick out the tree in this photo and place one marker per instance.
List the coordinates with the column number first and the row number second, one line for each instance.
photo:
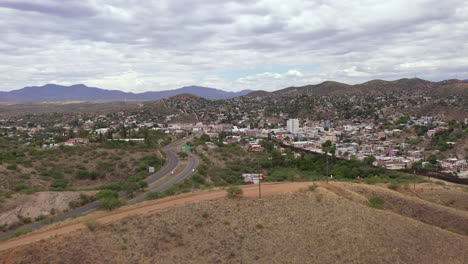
column 328, row 147
column 326, row 144
column 83, row 133
column 369, row 160
column 106, row 194
column 150, row 139
column 131, row 187
column 123, row 132
column 111, row 203
column 71, row 133
column 109, row 199
column 182, row 154
column 277, row 159
column 205, row 138
column 267, row 145
column 143, row 184
column 432, row 159
column 109, row 135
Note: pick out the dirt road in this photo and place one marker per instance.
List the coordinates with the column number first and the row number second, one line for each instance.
column 146, row 207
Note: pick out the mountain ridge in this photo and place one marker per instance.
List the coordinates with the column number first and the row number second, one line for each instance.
column 375, row 87
column 81, row 92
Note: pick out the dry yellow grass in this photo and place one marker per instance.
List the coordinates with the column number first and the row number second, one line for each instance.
column 298, row 227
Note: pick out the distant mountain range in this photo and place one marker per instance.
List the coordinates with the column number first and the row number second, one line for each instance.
column 376, row 87
column 80, row 92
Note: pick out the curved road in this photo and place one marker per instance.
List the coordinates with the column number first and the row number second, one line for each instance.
column 193, row 162
column 173, row 161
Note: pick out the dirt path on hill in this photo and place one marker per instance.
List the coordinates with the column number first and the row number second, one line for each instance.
column 150, row 206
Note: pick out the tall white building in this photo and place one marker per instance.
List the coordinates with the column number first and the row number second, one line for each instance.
column 292, row 125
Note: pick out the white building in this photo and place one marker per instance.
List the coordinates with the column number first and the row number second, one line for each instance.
column 292, row 125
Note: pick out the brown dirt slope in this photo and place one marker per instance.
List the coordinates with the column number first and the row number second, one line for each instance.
column 417, row 208
column 40, row 203
column 320, row 226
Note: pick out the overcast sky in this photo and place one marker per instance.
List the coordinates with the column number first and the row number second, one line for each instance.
column 145, row 45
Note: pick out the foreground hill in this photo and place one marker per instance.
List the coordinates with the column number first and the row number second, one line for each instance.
column 378, row 87
column 331, row 224
column 80, row 92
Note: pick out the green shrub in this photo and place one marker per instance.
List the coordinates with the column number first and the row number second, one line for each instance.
column 84, row 199
column 234, row 192
column 116, row 186
column 85, row 174
column 106, row 194
column 319, row 197
column 111, row 203
column 149, row 161
column 153, row 195
column 20, row 187
column 259, row 226
column 59, row 183
column 198, row 179
column 22, row 230
column 92, row 225
column 142, row 184
column 393, row 186
column 12, row 167
column 25, row 176
column 40, row 217
column 25, row 220
column 376, row 202
column 105, row 166
column 182, row 155
column 313, row 187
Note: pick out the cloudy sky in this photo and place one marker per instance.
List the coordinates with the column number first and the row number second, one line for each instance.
column 134, row 45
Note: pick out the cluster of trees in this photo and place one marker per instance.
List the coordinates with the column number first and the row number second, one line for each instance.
column 109, row 199
column 431, row 164
column 439, row 140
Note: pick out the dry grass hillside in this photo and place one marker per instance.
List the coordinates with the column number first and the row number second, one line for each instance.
column 331, row 224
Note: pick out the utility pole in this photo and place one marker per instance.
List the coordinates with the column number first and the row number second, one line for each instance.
column 259, row 188
column 326, row 153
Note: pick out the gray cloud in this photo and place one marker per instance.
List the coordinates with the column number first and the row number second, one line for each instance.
column 63, row 9
column 151, row 45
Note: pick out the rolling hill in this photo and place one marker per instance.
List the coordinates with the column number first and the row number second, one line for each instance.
column 80, row 92
column 376, row 87
column 334, row 223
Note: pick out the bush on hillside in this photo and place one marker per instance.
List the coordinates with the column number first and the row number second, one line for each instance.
column 376, row 202
column 234, row 192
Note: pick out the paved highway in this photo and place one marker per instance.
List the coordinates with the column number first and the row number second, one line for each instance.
column 193, row 162
column 172, row 163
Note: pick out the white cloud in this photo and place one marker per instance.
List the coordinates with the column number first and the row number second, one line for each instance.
column 272, row 81
column 154, row 45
